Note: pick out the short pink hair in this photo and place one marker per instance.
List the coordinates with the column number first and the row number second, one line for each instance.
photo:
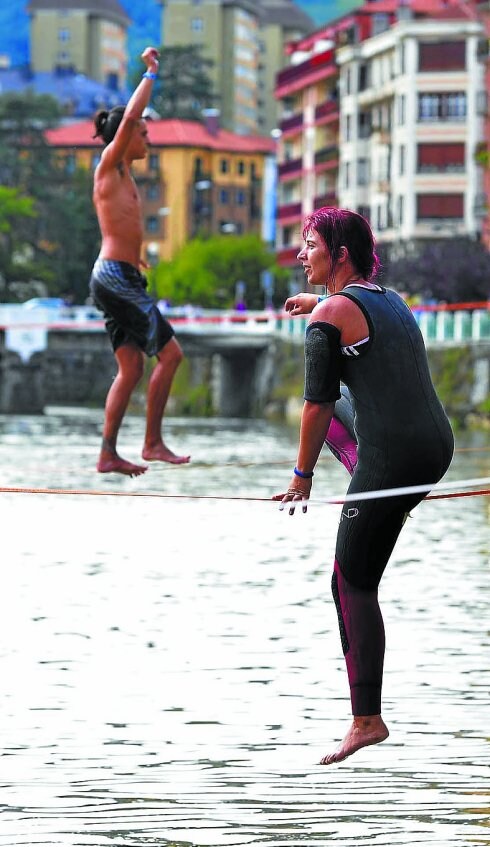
column 343, row 228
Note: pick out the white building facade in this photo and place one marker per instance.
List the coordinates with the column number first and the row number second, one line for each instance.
column 413, row 99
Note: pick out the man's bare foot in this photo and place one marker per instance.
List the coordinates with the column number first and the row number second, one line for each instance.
column 363, row 732
column 160, row 453
column 111, row 462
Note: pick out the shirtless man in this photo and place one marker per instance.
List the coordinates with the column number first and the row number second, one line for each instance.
column 133, row 321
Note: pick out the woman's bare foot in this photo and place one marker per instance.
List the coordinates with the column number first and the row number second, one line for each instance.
column 363, row 732
column 111, row 462
column 161, row 453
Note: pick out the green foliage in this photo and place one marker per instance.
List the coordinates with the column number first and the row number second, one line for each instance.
column 14, row 250
column 183, row 88
column 452, row 370
column 206, row 272
column 453, row 271
column 29, row 110
column 50, row 231
column 13, row 207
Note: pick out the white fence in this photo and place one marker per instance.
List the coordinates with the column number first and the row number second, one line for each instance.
column 439, row 325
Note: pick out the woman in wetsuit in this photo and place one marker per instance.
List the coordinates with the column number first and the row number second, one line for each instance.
column 365, row 336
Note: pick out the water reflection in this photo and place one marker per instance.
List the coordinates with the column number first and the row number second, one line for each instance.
column 171, row 669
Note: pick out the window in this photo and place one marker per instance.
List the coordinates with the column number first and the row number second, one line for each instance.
column 403, row 60
column 440, row 206
column 346, row 174
column 442, row 56
column 363, row 81
column 224, row 196
column 153, row 191
column 440, row 157
column 241, row 167
column 401, row 160
column 363, row 171
column 400, row 211
column 64, row 35
column 153, row 162
column 348, row 127
column 95, row 160
column 152, row 224
column 381, row 22
column 70, row 163
column 448, row 106
column 401, row 109
column 364, row 124
column 348, row 83
column 240, row 197
column 224, row 166
column 197, row 25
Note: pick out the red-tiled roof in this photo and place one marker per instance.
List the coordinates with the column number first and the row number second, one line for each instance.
column 170, row 133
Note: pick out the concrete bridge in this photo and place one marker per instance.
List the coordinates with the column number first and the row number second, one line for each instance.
column 62, row 356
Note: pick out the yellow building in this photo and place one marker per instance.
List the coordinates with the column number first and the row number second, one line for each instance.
column 198, row 179
column 82, row 36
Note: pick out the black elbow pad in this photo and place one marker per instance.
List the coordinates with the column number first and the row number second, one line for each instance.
column 322, row 363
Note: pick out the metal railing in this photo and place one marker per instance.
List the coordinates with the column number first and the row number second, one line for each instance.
column 457, row 323
column 445, row 324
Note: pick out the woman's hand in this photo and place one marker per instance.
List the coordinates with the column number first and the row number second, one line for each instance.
column 298, row 492
column 301, row 304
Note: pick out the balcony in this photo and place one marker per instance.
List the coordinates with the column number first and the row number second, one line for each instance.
column 292, row 166
column 329, row 154
column 292, row 123
column 295, row 77
column 329, row 109
column 287, row 256
column 289, row 211
column 328, row 199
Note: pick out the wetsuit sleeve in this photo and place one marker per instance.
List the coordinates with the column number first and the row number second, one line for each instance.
column 322, row 363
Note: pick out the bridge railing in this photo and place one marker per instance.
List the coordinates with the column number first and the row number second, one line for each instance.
column 454, row 323
column 440, row 324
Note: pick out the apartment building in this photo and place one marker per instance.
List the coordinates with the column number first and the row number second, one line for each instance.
column 308, row 145
column 483, row 150
column 245, row 40
column 407, row 94
column 80, row 36
column 197, row 180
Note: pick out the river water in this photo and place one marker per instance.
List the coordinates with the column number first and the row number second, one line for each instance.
column 170, row 665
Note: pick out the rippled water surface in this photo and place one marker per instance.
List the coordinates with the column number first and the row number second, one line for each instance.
column 171, row 670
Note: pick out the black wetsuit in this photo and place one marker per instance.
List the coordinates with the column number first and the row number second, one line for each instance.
column 404, row 439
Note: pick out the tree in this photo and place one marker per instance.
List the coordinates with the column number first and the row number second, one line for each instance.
column 13, row 209
column 24, row 152
column 183, row 88
column 61, row 236
column 206, row 273
column 453, row 271
column 71, row 235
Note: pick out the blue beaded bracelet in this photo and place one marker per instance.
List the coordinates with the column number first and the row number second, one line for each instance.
column 150, row 75
column 303, row 474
